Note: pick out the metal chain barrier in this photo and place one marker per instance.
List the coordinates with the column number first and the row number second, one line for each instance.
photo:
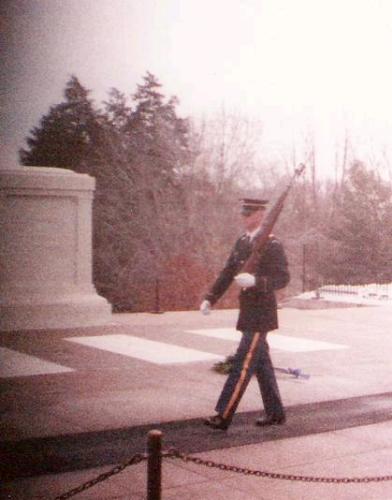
column 136, row 459
column 173, row 453
column 154, row 486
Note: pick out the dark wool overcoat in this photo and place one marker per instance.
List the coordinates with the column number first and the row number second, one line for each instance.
column 258, row 308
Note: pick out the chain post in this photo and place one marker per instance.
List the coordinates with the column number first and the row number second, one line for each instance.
column 154, row 465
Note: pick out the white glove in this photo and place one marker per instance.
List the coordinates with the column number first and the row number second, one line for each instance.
column 205, row 307
column 245, row 280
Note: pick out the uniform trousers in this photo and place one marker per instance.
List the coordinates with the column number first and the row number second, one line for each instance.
column 252, row 357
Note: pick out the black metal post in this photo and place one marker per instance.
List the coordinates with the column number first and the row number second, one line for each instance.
column 157, row 308
column 154, row 465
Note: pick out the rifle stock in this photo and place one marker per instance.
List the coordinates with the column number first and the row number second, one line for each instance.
column 262, row 236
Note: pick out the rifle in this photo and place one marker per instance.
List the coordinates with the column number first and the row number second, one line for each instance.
column 264, row 232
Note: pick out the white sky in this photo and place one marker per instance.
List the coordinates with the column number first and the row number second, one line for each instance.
column 292, row 64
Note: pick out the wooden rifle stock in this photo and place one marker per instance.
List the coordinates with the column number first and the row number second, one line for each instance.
column 262, row 236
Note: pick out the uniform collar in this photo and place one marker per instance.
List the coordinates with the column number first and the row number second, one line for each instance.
column 252, row 234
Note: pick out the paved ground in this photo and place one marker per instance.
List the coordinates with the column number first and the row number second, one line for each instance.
column 72, row 409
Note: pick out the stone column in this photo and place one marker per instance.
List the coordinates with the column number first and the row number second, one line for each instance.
column 45, row 250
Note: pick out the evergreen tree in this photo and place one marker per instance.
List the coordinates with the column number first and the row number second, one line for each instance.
column 66, row 135
column 160, row 134
column 139, row 194
column 360, row 233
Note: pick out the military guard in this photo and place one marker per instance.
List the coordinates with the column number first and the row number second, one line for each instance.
column 257, row 316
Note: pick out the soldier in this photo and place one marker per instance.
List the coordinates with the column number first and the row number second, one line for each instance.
column 257, row 316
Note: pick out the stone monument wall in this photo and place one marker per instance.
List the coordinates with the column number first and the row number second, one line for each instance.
column 46, row 250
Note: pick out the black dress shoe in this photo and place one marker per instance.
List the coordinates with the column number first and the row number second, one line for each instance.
column 262, row 422
column 217, row 422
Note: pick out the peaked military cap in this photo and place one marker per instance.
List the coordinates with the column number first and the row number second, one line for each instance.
column 249, row 205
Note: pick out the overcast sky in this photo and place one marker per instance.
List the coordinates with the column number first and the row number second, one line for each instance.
column 289, row 63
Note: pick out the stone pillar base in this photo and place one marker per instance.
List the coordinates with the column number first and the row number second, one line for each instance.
column 71, row 312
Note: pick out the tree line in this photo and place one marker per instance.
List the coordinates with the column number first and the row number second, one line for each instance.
column 166, row 203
